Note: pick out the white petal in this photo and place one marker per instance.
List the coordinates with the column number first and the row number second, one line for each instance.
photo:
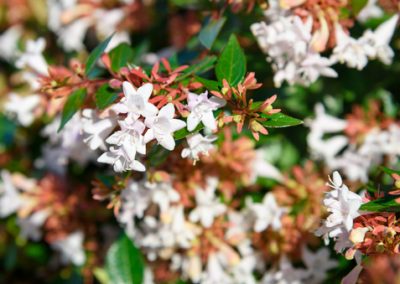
column 209, row 120
column 145, row 91
column 167, row 111
column 192, row 122
column 128, row 88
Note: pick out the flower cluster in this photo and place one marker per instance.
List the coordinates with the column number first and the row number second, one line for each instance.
column 137, row 145
column 295, row 33
column 356, row 144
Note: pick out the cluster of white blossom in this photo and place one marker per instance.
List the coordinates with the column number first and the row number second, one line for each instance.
column 288, row 42
column 70, row 20
column 294, row 50
column 11, row 201
column 354, row 159
column 154, row 217
column 32, row 64
column 343, row 206
column 143, row 122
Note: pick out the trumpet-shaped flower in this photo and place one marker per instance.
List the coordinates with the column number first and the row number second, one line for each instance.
column 135, row 103
column 198, row 144
column 343, row 206
column 10, row 200
column 377, row 42
column 201, row 110
column 128, row 142
column 71, row 248
column 162, row 127
column 95, row 129
column 207, row 205
column 22, row 108
column 33, row 57
column 265, row 214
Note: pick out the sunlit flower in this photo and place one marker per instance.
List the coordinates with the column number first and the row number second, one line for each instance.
column 162, row 127
column 198, row 145
column 135, row 102
column 126, row 143
column 201, row 110
column 96, row 129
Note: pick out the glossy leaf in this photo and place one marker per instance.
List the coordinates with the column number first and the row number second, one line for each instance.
column 121, row 56
column 278, row 120
column 381, row 205
column 105, row 96
column 95, row 55
column 358, row 5
column 208, row 84
column 206, row 64
column 124, row 262
column 210, row 32
column 72, row 105
column 231, row 64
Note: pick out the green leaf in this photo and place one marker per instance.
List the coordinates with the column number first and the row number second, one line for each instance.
column 95, row 55
column 231, row 64
column 207, row 63
column 182, row 133
column 121, row 56
column 278, row 120
column 386, row 204
column 358, row 5
column 72, row 105
column 7, row 130
column 208, row 84
column 124, row 262
column 389, row 171
column 105, row 96
column 210, row 32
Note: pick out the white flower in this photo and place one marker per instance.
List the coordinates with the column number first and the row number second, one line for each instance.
column 162, row 127
column 265, row 214
column 96, row 129
column 71, row 36
column 163, row 194
column 349, row 50
column 71, row 248
column 286, row 274
column 135, row 199
column 343, row 206
column 377, row 42
column 22, row 108
column 288, row 43
column 207, row 205
column 9, row 42
column 135, row 103
column 33, row 58
column 317, row 264
column 128, row 142
column 198, row 144
column 10, row 200
column 369, row 11
column 31, row 225
column 262, row 168
column 322, row 124
column 201, row 110
column 215, row 271
column 64, row 145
